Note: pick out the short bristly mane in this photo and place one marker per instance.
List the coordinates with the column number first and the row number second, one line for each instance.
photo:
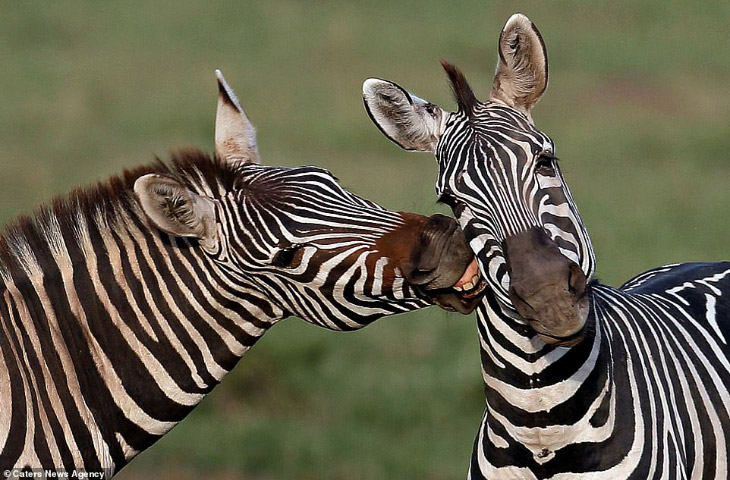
column 103, row 202
column 463, row 94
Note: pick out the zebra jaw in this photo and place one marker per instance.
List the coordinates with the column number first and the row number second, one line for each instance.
column 464, row 295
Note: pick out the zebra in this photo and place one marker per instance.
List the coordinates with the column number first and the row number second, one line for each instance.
column 582, row 380
column 124, row 304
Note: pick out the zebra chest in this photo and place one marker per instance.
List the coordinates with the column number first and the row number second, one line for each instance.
column 542, row 442
column 508, row 433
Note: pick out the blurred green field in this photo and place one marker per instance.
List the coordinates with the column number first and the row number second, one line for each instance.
column 638, row 105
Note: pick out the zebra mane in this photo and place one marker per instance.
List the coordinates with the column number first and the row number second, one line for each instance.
column 25, row 241
column 463, row 94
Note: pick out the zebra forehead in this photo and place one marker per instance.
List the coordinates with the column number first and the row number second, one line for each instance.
column 491, row 125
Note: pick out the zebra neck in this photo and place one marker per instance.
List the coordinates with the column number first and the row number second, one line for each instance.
column 540, row 398
column 530, row 383
column 116, row 333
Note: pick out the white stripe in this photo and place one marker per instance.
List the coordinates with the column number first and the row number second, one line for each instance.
column 712, row 317
column 543, row 399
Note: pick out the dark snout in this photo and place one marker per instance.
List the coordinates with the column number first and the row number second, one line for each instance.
column 546, row 288
column 444, row 267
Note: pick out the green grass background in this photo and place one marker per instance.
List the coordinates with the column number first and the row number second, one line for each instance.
column 638, row 105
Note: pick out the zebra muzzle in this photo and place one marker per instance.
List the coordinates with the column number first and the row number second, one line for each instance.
column 546, row 288
column 443, row 266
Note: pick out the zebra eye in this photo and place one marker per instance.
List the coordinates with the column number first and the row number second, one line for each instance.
column 288, row 256
column 545, row 163
column 448, row 199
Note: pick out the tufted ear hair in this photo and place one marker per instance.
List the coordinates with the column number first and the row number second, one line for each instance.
column 235, row 137
column 409, row 121
column 522, row 69
column 175, row 209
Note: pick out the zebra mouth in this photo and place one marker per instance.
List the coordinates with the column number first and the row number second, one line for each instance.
column 567, row 341
column 546, row 289
column 443, row 268
column 464, row 295
column 471, row 282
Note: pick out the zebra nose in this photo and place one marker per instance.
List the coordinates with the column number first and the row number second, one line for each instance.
column 546, row 288
column 441, row 255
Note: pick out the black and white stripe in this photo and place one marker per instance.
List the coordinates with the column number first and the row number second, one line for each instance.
column 644, row 395
column 646, row 392
column 124, row 304
column 111, row 331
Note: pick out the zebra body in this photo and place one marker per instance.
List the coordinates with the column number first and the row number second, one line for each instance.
column 123, row 305
column 644, row 351
column 582, row 381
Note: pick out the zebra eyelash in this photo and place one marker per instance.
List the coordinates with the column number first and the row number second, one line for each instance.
column 545, row 162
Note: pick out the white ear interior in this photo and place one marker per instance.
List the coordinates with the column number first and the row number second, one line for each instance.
column 174, row 209
column 409, row 121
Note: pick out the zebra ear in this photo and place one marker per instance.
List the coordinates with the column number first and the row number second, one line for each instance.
column 409, row 121
column 235, row 137
column 522, row 70
column 175, row 209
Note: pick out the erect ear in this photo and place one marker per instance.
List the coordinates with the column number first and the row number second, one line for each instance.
column 522, row 70
column 175, row 209
column 409, row 121
column 235, row 137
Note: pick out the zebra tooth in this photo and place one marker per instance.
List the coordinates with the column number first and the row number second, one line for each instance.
column 468, row 285
column 477, row 290
column 458, row 289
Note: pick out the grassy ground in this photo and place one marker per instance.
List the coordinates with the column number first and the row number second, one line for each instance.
column 638, row 105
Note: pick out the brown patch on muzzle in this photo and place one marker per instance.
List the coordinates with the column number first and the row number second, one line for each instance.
column 546, row 288
column 436, row 260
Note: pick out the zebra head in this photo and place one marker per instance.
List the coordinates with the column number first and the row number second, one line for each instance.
column 297, row 238
column 500, row 175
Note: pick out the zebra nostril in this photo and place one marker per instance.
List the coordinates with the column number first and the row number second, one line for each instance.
column 576, row 280
column 419, row 276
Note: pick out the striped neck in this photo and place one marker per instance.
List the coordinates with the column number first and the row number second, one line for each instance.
column 530, row 383
column 129, row 330
column 512, row 351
